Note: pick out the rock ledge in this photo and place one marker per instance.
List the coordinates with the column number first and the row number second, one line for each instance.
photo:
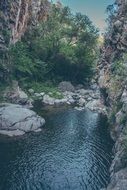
column 15, row 120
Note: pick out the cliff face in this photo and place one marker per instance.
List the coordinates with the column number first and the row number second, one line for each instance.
column 113, row 62
column 17, row 15
column 113, row 85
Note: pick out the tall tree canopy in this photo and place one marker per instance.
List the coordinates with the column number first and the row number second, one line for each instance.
column 61, row 48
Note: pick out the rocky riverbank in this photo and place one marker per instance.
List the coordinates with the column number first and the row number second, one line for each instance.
column 16, row 118
column 70, row 95
column 66, row 94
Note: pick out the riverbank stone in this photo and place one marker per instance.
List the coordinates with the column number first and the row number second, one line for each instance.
column 66, row 86
column 16, row 120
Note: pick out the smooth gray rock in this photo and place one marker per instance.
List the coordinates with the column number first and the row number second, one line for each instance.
column 42, row 93
column 31, row 91
column 81, row 102
column 83, row 92
column 48, row 100
column 94, row 104
column 61, row 101
column 15, row 120
column 22, row 95
column 37, row 95
column 12, row 133
column 66, row 86
column 79, row 86
column 124, row 96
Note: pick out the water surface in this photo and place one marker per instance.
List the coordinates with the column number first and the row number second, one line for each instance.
column 73, row 152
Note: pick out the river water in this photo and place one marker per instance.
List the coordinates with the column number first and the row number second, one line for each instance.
column 73, row 152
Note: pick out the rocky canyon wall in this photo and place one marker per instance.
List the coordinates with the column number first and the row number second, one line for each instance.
column 17, row 15
column 112, row 80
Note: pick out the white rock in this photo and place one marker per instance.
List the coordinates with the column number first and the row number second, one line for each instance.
column 89, row 99
column 48, row 100
column 81, row 101
column 79, row 108
column 31, row 91
column 16, row 120
column 71, row 100
column 37, row 95
column 124, row 96
column 94, row 105
column 57, row 101
column 38, row 130
column 42, row 93
column 83, row 92
column 12, row 133
column 58, row 93
column 22, row 95
column 60, row 101
column 50, row 93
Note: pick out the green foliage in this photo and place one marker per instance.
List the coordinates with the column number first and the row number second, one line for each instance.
column 6, row 34
column 22, row 60
column 2, row 90
column 48, row 88
column 5, row 67
column 123, row 120
column 112, row 116
column 61, row 48
column 119, row 68
column 124, row 141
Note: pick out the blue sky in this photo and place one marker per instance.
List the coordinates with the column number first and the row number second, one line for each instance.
column 95, row 9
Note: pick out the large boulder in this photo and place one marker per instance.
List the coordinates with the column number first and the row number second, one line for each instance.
column 16, row 120
column 66, row 86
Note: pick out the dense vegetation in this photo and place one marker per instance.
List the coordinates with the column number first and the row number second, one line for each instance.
column 61, row 48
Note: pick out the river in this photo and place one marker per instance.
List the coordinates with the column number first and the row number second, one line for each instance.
column 73, row 152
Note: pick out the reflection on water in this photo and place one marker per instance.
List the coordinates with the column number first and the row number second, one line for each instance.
column 73, row 152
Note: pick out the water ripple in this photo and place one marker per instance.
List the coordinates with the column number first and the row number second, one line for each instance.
column 73, row 152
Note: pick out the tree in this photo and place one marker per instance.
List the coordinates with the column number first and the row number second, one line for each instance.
column 60, row 48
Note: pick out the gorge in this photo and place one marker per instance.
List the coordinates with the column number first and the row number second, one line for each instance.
column 74, row 149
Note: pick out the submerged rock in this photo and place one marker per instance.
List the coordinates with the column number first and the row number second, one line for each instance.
column 16, row 120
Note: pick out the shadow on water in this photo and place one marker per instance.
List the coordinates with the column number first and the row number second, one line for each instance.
column 73, row 152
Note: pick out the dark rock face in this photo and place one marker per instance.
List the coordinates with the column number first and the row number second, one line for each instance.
column 17, row 15
column 114, row 86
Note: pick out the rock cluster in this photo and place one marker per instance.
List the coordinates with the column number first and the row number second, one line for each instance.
column 69, row 95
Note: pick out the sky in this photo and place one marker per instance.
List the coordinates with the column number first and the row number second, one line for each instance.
column 94, row 9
